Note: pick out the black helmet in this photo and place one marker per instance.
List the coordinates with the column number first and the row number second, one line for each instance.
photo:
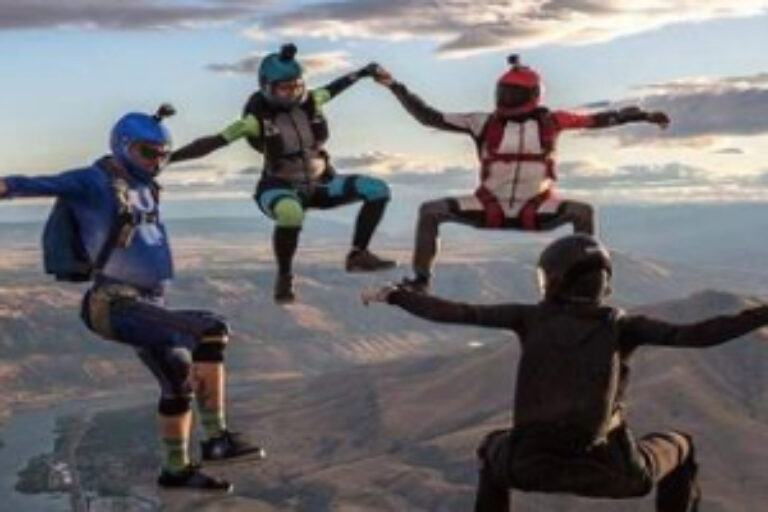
column 575, row 268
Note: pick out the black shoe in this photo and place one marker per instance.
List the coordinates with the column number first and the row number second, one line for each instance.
column 366, row 261
column 416, row 284
column 230, row 445
column 192, row 478
column 284, row 293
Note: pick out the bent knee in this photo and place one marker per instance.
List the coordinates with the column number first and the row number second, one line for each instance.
column 578, row 210
column 288, row 213
column 434, row 209
column 372, row 189
column 212, row 344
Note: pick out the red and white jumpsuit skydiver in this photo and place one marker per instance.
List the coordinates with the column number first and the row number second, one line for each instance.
column 515, row 145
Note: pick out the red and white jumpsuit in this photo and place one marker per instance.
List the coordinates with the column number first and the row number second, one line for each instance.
column 517, row 174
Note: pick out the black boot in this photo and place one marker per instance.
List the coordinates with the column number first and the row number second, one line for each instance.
column 230, row 445
column 363, row 260
column 192, row 478
column 284, row 293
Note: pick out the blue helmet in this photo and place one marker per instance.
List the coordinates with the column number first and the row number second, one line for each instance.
column 136, row 128
column 280, row 67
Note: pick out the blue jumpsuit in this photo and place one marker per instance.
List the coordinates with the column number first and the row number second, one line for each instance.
column 126, row 302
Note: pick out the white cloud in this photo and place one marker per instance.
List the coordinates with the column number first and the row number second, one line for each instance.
column 662, row 183
column 118, row 14
column 467, row 26
column 703, row 110
column 418, row 179
column 314, row 63
column 729, row 151
column 408, row 170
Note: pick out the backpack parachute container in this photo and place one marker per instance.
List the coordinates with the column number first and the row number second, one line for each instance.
column 64, row 255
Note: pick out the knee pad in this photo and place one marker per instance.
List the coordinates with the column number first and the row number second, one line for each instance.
column 176, row 368
column 209, row 352
column 210, row 348
column 288, row 213
column 219, row 329
column 372, row 189
column 174, row 405
column 176, row 384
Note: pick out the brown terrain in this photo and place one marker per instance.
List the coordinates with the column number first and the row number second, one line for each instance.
column 370, row 409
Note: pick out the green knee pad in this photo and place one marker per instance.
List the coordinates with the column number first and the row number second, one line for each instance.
column 288, row 213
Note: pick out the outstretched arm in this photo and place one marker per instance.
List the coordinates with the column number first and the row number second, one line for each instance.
column 504, row 316
column 566, row 120
column 329, row 91
column 72, row 184
column 248, row 126
column 427, row 115
column 641, row 330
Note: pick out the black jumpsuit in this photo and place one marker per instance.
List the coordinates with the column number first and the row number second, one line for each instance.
column 569, row 434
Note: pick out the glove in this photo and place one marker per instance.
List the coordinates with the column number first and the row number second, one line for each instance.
column 659, row 118
column 376, row 294
column 369, row 70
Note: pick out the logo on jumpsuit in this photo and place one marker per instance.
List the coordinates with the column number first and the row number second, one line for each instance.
column 145, row 206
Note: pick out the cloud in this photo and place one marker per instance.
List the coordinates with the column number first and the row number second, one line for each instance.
column 760, row 180
column 702, row 110
column 415, row 179
column 468, row 26
column 672, row 182
column 729, row 151
column 117, row 14
column 314, row 63
column 188, row 176
column 589, row 175
column 383, row 163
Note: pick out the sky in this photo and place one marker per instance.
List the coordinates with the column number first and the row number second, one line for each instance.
column 70, row 68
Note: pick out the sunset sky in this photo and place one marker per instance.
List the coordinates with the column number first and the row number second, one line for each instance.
column 70, row 68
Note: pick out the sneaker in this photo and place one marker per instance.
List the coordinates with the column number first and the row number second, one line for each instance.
column 366, row 261
column 284, row 293
column 416, row 284
column 230, row 445
column 193, row 479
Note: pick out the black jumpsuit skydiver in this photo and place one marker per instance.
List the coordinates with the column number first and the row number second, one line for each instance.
column 569, row 433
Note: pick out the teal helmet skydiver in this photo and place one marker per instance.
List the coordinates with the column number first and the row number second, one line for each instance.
column 141, row 144
column 280, row 67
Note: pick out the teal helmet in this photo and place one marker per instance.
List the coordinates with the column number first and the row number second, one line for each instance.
column 280, row 67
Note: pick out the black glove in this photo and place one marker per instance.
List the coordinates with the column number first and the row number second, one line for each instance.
column 369, row 70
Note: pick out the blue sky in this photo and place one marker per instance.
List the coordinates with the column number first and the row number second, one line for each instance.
column 70, row 67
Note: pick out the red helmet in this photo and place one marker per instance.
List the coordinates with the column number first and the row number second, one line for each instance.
column 518, row 91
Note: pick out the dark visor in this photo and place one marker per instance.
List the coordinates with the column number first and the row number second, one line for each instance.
column 513, row 96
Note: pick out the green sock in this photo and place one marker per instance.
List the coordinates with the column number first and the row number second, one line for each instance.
column 176, row 454
column 212, row 421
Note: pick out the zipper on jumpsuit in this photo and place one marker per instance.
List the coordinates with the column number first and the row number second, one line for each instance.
column 307, row 181
column 518, row 163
